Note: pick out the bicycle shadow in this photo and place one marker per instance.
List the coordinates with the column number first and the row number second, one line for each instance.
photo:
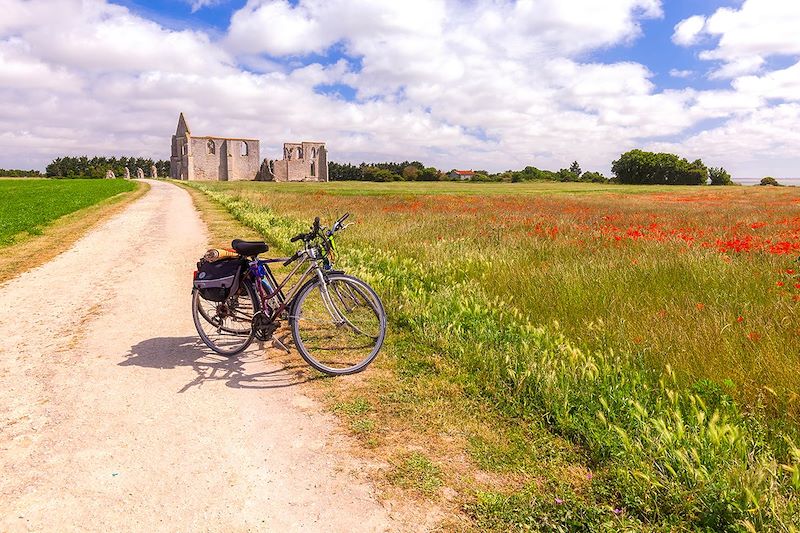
column 244, row 371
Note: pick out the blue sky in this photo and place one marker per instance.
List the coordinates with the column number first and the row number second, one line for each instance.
column 492, row 85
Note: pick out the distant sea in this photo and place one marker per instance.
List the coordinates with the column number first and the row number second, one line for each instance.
column 756, row 181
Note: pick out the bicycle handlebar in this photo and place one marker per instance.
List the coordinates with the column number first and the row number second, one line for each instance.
column 315, row 230
column 291, row 259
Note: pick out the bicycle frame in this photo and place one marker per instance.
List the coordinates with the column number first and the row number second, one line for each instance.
column 285, row 299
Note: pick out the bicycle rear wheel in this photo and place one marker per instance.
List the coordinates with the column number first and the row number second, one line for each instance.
column 226, row 327
column 338, row 327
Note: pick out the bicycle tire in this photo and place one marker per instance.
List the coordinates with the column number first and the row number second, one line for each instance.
column 295, row 320
column 198, row 314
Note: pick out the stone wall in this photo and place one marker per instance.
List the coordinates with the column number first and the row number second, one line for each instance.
column 306, row 161
column 216, row 159
column 245, row 166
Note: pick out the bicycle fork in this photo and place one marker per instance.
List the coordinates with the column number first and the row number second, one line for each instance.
column 337, row 316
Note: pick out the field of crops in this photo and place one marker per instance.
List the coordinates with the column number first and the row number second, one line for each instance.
column 29, row 204
column 655, row 329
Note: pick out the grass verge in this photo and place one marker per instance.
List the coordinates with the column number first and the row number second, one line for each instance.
column 511, row 426
column 29, row 250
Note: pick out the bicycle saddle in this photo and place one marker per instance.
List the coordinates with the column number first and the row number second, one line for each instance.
column 249, row 248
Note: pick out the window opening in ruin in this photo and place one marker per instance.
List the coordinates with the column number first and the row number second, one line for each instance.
column 313, row 169
column 212, row 148
column 299, row 153
column 244, row 148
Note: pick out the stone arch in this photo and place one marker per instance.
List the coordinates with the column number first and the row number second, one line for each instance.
column 245, row 148
column 212, row 147
column 272, row 165
column 313, row 169
column 314, row 152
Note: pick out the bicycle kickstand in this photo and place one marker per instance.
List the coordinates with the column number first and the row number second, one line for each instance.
column 277, row 342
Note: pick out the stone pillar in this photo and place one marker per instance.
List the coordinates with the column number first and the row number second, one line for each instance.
column 231, row 152
column 322, row 160
column 110, row 174
column 127, row 173
column 153, row 172
column 139, row 173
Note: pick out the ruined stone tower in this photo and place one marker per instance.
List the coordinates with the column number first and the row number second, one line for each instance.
column 212, row 158
column 304, row 161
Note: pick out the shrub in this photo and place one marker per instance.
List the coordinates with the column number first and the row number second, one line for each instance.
column 594, row 177
column 769, row 180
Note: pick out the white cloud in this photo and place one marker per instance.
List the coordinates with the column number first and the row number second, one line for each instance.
column 476, row 84
column 779, row 84
column 197, row 5
column 751, row 140
column 747, row 36
column 675, row 73
column 688, row 31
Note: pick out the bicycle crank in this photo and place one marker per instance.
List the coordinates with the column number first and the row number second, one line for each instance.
column 263, row 328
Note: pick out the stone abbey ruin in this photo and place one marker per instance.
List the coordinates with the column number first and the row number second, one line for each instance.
column 238, row 159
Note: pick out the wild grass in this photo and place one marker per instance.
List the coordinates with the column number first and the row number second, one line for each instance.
column 29, row 205
column 657, row 332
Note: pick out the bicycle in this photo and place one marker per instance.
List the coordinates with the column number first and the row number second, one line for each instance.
column 337, row 321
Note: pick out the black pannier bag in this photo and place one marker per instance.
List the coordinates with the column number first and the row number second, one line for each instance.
column 214, row 279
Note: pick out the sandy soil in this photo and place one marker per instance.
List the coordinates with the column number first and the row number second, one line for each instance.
column 113, row 415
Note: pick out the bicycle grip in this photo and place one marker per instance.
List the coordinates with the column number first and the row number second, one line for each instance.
column 298, row 237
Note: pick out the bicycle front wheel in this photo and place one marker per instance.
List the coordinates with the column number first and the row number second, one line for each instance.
column 338, row 327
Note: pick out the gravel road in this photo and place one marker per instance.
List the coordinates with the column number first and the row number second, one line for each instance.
column 113, row 416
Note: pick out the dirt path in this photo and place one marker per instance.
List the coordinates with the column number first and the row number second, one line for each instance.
column 114, row 417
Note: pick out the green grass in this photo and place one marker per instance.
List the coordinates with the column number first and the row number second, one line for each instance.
column 416, row 471
column 630, row 349
column 29, row 205
column 350, row 188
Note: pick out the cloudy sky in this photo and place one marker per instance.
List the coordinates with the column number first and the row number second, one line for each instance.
column 471, row 84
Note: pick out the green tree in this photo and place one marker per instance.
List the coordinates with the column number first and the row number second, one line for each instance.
column 719, row 176
column 575, row 168
column 567, row 175
column 410, row 173
column 429, row 174
column 638, row 166
column 374, row 173
column 769, row 180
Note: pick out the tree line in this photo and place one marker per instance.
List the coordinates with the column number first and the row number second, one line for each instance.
column 16, row 173
column 389, row 171
column 97, row 167
column 632, row 167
